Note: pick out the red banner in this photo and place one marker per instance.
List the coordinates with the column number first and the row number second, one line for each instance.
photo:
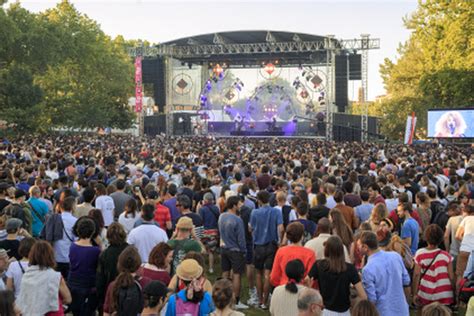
column 138, row 85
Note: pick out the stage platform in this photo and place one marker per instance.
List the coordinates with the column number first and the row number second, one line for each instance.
column 257, row 133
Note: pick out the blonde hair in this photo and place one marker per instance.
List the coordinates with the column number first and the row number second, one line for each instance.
column 442, row 129
column 435, row 309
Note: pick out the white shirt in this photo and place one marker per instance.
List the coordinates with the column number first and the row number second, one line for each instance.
column 106, row 204
column 145, row 237
column 128, row 222
column 330, row 202
column 317, row 245
column 467, row 243
column 14, row 272
column 391, row 204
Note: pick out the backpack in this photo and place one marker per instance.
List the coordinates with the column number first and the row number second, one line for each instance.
column 439, row 215
column 130, row 300
column 186, row 308
column 22, row 212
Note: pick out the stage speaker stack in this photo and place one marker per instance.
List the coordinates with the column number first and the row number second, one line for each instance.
column 342, row 77
column 154, row 73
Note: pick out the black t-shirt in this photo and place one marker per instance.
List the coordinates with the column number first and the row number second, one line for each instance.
column 334, row 287
column 318, row 212
column 245, row 213
column 197, row 219
column 188, row 192
column 11, row 246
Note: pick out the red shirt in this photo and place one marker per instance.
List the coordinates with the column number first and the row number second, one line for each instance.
column 286, row 254
column 162, row 215
column 155, row 275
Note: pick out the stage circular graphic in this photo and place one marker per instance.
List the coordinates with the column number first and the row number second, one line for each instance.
column 270, row 71
column 182, row 84
column 231, row 95
column 315, row 80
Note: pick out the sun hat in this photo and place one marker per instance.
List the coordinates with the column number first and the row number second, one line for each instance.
column 188, row 270
column 185, row 223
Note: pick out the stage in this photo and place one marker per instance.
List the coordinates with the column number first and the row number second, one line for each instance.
column 257, row 133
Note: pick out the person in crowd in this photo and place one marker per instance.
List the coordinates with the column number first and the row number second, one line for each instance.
column 335, row 277
column 147, row 235
column 83, row 258
column 177, row 285
column 223, row 298
column 450, row 242
column 124, row 295
column 155, row 295
column 423, row 209
column 84, row 208
column 465, row 234
column 210, row 213
column 384, row 277
column 287, row 212
column 14, row 234
column 410, row 232
column 320, row 210
column 62, row 246
column 120, row 198
column 39, row 209
column 350, row 198
column 364, row 210
column 163, row 215
column 284, row 299
column 310, row 302
column 323, row 232
column 294, row 250
column 364, row 308
column 341, row 228
column 346, row 211
column 43, row 291
column 130, row 215
column 7, row 304
column 18, row 208
column 183, row 241
column 266, row 224
column 107, row 263
column 309, row 226
column 374, row 194
column 378, row 213
column 233, row 245
column 433, row 278
column 17, row 268
column 158, row 266
column 184, row 205
column 192, row 299
column 100, row 234
column 169, row 198
column 105, row 204
column 436, row 309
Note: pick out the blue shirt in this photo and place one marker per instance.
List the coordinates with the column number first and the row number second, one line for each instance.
column 62, row 246
column 383, row 279
column 171, row 205
column 410, row 230
column 41, row 208
column 232, row 231
column 363, row 211
column 205, row 307
column 209, row 214
column 264, row 222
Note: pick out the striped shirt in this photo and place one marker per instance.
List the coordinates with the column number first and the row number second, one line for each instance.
column 435, row 285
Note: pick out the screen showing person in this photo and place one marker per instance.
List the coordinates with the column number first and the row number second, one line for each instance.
column 450, row 124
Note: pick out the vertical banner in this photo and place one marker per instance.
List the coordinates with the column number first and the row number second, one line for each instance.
column 138, row 85
column 410, row 129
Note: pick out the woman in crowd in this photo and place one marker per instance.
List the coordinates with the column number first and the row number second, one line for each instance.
column 340, row 228
column 43, row 291
column 177, row 285
column 285, row 297
column 107, row 265
column 193, row 299
column 83, row 258
column 16, row 269
column 295, row 250
column 335, row 278
column 154, row 298
column 101, row 232
column 130, row 215
column 7, row 304
column 223, row 297
column 433, row 277
column 423, row 209
column 378, row 213
column 124, row 295
column 159, row 264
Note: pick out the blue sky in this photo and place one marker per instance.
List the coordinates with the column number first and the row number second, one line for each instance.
column 160, row 21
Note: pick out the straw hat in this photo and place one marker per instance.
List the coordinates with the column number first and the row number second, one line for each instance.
column 188, row 270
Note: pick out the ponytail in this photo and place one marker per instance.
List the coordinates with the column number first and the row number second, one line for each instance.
column 291, row 286
column 124, row 279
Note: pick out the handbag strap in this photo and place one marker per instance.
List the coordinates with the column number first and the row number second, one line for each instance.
column 40, row 217
column 429, row 266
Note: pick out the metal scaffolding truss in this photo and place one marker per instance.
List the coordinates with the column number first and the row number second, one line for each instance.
column 221, row 48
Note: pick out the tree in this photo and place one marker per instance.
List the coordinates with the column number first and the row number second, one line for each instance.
column 435, row 66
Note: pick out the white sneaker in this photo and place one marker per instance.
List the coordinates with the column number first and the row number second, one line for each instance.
column 253, row 300
column 241, row 306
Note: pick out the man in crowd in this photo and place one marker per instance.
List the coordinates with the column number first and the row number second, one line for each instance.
column 119, row 197
column 310, row 302
column 39, row 209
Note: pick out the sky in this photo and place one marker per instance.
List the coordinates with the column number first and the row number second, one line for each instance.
column 163, row 20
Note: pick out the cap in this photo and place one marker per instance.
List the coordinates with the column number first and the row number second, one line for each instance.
column 156, row 289
column 19, row 193
column 185, row 223
column 13, row 224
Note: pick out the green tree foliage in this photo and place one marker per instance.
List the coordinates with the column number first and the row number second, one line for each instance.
column 435, row 68
column 61, row 67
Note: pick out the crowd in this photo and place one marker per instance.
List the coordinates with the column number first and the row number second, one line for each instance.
column 117, row 225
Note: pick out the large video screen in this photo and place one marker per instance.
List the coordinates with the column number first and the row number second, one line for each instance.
column 451, row 123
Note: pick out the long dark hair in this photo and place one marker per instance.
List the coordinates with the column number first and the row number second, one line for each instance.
column 7, row 300
column 131, row 207
column 295, row 272
column 334, row 255
column 129, row 262
column 340, row 227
